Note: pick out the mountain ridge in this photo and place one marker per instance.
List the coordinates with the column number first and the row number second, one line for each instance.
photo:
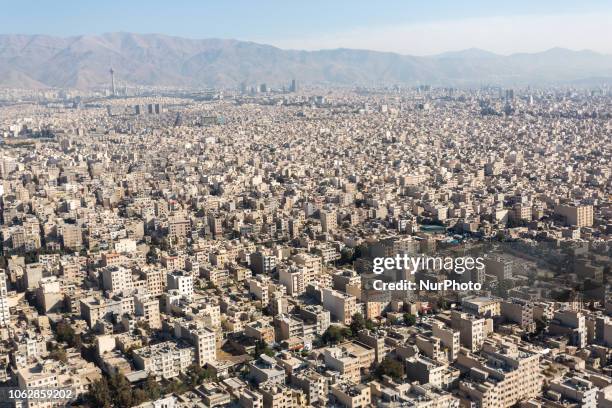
column 38, row 61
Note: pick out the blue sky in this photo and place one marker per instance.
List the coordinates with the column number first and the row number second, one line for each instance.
column 408, row 26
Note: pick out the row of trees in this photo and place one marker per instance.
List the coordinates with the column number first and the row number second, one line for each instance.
column 335, row 334
column 117, row 391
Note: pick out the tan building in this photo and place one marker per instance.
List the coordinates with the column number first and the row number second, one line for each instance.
column 329, row 220
column 482, row 306
column 165, row 360
column 521, row 212
column 313, row 266
column 147, row 306
column 314, row 385
column 202, row 338
column 72, row 236
column 95, row 308
column 293, row 278
column 179, row 229
column 570, row 323
column 576, row 215
column 341, row 306
column 49, row 295
column 577, row 390
column 349, row 359
column 376, row 341
column 352, row 395
column 449, row 338
column 518, row 311
column 250, row 399
column 5, row 314
column 502, row 375
column 472, row 330
column 156, row 281
column 417, row 395
column 425, row 371
column 260, row 330
column 75, row 373
column 279, row 396
column 117, row 279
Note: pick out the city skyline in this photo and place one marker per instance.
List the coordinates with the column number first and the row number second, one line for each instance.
column 284, row 248
column 407, row 204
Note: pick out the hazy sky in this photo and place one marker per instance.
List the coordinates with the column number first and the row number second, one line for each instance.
column 405, row 26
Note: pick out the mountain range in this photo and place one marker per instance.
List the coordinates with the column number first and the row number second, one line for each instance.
column 41, row 61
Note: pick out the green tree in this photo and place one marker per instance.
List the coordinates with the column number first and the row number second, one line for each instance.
column 139, row 396
column 59, row 354
column 151, row 388
column 503, row 286
column 358, row 323
column 124, row 398
column 390, row 367
column 333, row 335
column 143, row 324
column 64, row 332
column 99, row 394
column 347, row 255
column 261, row 347
column 541, row 325
column 76, row 342
column 409, row 319
column 193, row 374
column 174, row 387
column 442, row 304
column 122, row 390
column 196, row 375
column 370, row 325
column 347, row 332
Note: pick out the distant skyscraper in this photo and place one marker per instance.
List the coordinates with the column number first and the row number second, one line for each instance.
column 112, row 72
column 294, row 86
column 263, row 88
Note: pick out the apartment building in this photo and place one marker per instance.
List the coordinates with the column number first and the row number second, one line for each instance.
column 165, row 360
column 576, row 215
column 472, row 330
column 501, row 375
column 352, row 395
column 341, row 306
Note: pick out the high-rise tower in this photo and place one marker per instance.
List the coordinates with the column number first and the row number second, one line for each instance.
column 112, row 72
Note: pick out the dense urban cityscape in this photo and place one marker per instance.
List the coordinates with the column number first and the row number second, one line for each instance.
column 214, row 248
